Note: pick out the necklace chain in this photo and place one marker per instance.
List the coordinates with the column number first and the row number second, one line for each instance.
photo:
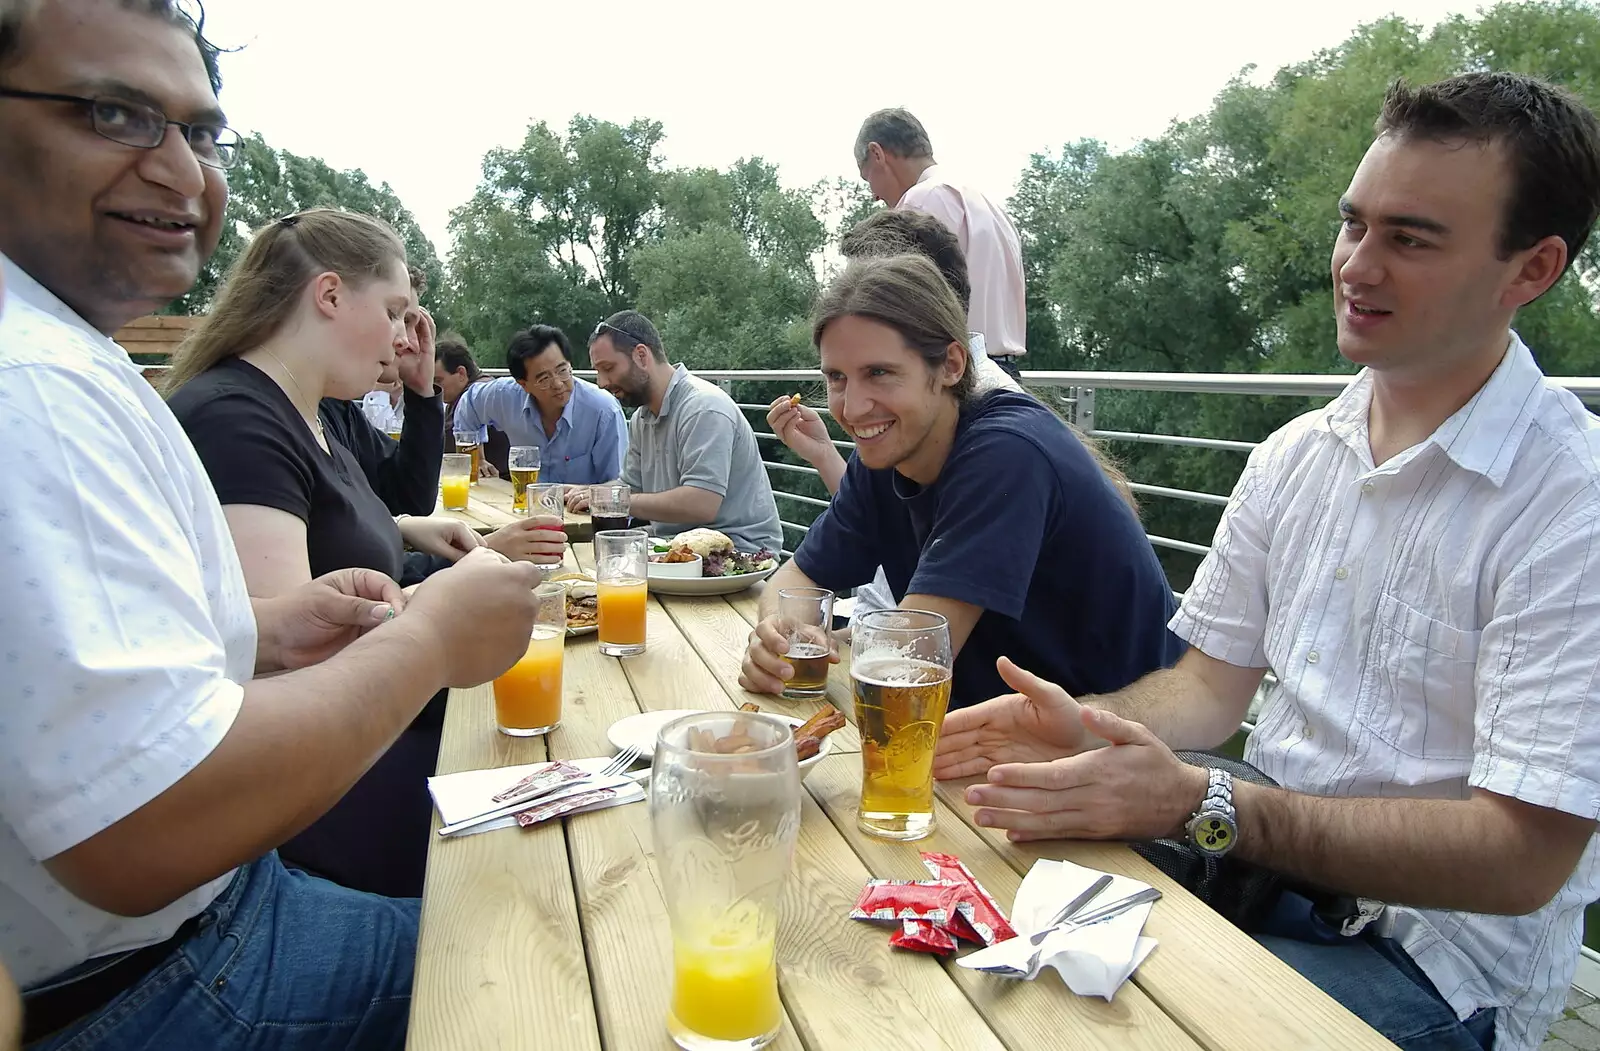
column 316, row 421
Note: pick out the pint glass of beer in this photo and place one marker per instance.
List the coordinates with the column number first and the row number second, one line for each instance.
column 453, row 481
column 724, row 825
column 900, row 666
column 608, row 506
column 527, row 698
column 524, row 463
column 467, row 442
column 621, row 560
column 805, row 616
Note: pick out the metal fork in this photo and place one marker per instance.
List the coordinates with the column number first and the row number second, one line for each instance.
column 618, row 764
column 1088, row 919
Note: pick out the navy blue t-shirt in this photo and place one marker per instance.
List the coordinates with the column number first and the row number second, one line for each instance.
column 1023, row 523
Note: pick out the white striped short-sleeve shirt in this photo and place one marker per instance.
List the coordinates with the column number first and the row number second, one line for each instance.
column 1434, row 624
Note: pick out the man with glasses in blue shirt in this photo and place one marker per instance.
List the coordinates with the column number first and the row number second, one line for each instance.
column 579, row 429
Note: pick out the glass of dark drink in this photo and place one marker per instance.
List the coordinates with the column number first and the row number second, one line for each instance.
column 608, row 506
column 805, row 615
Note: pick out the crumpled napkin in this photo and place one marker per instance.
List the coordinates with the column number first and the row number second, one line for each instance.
column 1093, row 961
column 460, row 796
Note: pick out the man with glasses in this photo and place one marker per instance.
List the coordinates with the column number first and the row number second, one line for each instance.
column 580, row 432
column 692, row 456
column 146, row 772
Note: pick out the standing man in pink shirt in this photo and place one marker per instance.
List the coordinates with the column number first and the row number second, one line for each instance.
column 895, row 157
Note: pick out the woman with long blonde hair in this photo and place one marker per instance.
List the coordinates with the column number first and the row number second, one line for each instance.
column 316, row 307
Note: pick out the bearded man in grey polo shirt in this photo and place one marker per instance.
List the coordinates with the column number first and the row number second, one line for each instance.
column 692, row 456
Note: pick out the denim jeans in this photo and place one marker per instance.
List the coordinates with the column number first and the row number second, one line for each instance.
column 1375, row 979
column 281, row 961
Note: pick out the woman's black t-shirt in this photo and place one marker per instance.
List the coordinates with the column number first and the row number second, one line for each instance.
column 258, row 449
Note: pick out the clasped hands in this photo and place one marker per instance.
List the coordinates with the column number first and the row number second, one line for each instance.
column 1055, row 769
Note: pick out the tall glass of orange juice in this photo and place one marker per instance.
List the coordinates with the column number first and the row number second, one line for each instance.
column 621, row 561
column 527, row 698
column 453, row 480
column 724, row 826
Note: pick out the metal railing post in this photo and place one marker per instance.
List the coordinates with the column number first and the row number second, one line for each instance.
column 1083, row 409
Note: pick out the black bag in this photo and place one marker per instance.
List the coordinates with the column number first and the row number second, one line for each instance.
column 1241, row 892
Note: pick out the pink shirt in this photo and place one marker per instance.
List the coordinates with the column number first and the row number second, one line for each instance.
column 994, row 257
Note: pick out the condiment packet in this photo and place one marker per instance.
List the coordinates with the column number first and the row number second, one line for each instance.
column 981, row 911
column 551, row 777
column 900, row 899
column 923, row 936
column 573, row 804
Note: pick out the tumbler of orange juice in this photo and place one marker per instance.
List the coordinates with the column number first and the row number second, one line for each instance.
column 454, row 478
column 621, row 558
column 527, row 698
column 724, row 828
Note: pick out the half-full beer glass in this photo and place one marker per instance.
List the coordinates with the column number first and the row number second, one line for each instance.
column 621, row 561
column 724, row 826
column 524, row 463
column 900, row 665
column 467, row 442
column 805, row 616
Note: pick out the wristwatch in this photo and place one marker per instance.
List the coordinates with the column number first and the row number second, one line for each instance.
column 1215, row 827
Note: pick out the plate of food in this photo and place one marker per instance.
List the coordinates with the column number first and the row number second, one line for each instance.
column 583, row 601
column 810, row 735
column 724, row 569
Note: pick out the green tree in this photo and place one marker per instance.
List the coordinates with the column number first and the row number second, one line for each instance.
column 549, row 235
column 270, row 184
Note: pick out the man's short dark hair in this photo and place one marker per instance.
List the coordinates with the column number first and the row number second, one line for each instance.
column 897, row 131
column 892, row 231
column 1550, row 138
column 530, row 343
column 14, row 18
column 452, row 352
column 627, row 329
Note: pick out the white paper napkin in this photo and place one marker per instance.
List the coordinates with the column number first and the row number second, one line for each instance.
column 1094, row 960
column 460, row 796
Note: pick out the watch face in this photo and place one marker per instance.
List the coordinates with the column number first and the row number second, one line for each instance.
column 1213, row 834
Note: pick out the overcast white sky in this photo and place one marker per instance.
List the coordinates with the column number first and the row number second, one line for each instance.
column 415, row 92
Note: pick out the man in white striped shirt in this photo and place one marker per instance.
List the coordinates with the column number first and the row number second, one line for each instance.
column 1419, row 565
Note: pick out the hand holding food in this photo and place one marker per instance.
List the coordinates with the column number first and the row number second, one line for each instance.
column 801, row 429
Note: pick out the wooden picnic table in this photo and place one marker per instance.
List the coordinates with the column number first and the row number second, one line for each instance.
column 489, row 508
column 557, row 936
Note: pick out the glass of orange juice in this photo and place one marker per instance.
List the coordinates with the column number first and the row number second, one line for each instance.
column 621, row 560
column 527, row 698
column 724, row 826
column 455, row 475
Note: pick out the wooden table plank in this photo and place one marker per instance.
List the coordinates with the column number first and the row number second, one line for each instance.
column 500, row 960
column 1042, row 1015
column 1203, row 961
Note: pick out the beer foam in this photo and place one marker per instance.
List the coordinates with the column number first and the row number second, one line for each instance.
column 889, row 668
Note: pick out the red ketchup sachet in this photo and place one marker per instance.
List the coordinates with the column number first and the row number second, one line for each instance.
column 979, row 908
column 932, row 914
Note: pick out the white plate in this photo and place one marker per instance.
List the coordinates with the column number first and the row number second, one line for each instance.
column 641, row 730
column 708, row 585
column 586, row 629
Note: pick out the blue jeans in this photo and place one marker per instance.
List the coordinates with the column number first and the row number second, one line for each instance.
column 281, row 961
column 1375, row 979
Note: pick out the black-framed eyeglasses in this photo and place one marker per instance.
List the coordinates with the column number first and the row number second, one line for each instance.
column 135, row 124
column 606, row 326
